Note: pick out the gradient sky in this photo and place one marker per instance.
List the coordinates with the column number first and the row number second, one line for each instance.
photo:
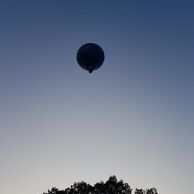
column 134, row 117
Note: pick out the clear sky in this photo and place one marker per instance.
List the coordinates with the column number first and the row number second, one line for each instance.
column 134, row 117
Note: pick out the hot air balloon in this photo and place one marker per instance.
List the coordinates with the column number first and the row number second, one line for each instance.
column 90, row 57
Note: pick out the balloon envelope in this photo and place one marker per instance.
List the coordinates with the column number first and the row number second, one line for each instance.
column 90, row 57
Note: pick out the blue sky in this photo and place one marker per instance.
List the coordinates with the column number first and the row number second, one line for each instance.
column 133, row 117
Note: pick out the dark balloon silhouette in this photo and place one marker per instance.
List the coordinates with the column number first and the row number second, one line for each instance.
column 90, row 57
column 111, row 186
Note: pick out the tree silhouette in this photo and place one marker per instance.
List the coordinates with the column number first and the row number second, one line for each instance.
column 111, row 186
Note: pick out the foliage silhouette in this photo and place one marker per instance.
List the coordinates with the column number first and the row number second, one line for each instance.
column 111, row 186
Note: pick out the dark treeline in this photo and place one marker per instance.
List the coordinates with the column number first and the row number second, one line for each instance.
column 111, row 186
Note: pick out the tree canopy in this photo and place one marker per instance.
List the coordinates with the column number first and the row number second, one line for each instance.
column 111, row 186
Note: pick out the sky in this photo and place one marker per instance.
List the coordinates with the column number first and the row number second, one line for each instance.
column 133, row 117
